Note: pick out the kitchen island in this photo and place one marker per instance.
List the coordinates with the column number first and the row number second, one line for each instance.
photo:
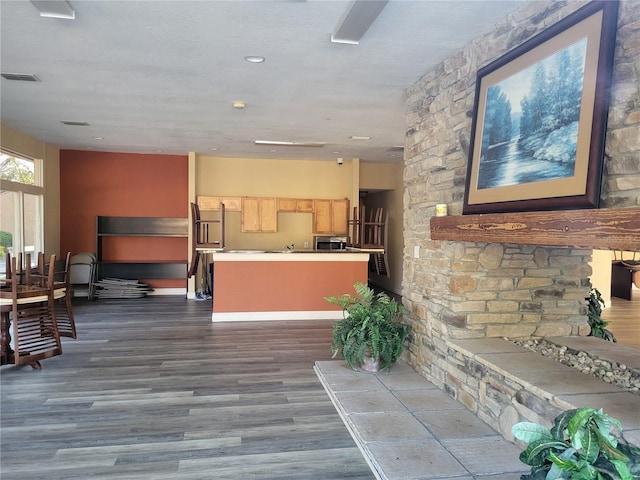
column 250, row 285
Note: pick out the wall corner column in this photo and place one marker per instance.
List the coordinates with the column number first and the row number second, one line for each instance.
column 191, row 282
column 354, row 201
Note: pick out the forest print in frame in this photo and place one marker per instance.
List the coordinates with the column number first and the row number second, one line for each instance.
column 537, row 140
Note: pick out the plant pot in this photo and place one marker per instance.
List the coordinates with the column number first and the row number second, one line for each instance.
column 370, row 364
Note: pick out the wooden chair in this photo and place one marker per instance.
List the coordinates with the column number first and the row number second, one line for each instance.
column 200, row 231
column 27, row 301
column 373, row 231
column 62, row 297
column 354, row 230
column 373, row 235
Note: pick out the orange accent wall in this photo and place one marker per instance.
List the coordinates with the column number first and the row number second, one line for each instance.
column 126, row 185
column 282, row 286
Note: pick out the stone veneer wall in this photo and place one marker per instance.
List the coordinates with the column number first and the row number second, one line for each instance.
column 461, row 290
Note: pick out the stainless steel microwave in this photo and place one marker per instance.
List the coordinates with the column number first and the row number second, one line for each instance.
column 330, row 243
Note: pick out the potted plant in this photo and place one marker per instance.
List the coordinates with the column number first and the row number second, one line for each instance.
column 580, row 446
column 370, row 335
column 594, row 317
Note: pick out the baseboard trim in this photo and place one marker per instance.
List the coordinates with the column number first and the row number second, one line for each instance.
column 167, row 291
column 270, row 316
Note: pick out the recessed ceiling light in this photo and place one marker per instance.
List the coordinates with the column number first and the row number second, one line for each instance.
column 254, row 58
column 98, row 138
column 239, row 104
column 356, row 137
column 213, row 149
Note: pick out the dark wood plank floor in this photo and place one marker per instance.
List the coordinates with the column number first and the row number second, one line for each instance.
column 153, row 390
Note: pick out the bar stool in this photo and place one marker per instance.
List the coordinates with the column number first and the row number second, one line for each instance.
column 200, row 240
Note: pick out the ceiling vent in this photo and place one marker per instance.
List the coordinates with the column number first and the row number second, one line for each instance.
column 71, row 123
column 20, row 77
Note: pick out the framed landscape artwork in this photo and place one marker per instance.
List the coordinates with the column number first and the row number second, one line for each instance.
column 540, row 117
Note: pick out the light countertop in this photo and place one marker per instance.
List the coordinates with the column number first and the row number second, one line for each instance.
column 289, row 256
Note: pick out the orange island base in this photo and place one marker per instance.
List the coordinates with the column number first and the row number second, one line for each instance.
column 250, row 285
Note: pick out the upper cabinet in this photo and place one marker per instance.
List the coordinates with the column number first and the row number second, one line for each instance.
column 304, row 205
column 286, row 204
column 259, row 215
column 298, row 205
column 331, row 216
column 231, row 204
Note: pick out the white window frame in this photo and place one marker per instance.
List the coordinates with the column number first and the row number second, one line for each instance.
column 22, row 189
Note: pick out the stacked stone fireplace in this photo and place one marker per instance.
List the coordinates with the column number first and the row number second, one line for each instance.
column 468, row 290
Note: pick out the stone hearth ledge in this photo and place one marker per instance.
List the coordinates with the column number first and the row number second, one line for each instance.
column 562, row 386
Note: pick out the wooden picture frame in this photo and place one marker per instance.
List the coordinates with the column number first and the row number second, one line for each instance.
column 540, row 118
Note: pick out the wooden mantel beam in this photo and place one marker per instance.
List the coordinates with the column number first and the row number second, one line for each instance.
column 602, row 229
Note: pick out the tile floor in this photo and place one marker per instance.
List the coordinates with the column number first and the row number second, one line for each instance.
column 408, row 429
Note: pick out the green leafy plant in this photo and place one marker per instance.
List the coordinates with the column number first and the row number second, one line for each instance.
column 6, row 239
column 594, row 317
column 6, row 242
column 579, row 446
column 370, row 327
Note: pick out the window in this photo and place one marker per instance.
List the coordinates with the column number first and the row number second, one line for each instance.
column 21, row 206
column 16, row 169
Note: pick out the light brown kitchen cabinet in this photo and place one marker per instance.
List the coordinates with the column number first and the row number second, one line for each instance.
column 209, row 203
column 295, row 205
column 340, row 216
column 331, row 216
column 304, row 205
column 322, row 216
column 231, row 204
column 287, row 204
column 259, row 215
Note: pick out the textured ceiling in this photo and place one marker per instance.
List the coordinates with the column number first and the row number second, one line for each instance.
column 151, row 76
